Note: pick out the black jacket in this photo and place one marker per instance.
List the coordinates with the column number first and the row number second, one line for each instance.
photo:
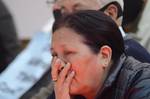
column 128, row 79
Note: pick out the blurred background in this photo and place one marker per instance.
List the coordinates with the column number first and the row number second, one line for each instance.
column 29, row 16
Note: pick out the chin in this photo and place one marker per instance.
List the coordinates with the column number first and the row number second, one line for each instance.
column 74, row 89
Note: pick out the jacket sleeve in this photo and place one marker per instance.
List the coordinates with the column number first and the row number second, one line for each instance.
column 139, row 85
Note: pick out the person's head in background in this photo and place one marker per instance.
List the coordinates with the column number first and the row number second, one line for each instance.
column 88, row 40
column 112, row 8
column 132, row 13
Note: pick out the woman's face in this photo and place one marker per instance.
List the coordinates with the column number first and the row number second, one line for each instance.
column 69, row 47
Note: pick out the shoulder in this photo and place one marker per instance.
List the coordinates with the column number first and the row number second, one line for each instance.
column 132, row 67
column 135, row 49
column 128, row 40
column 138, row 78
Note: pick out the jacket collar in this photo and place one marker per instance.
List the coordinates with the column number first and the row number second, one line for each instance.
column 113, row 74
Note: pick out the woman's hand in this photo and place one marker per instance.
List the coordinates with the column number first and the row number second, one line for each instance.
column 62, row 77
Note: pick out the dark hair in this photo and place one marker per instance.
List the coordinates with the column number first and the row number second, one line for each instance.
column 97, row 28
column 132, row 9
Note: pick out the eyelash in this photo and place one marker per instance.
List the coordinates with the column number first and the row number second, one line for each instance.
column 67, row 53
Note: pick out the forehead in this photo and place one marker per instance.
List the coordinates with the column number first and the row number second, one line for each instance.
column 65, row 36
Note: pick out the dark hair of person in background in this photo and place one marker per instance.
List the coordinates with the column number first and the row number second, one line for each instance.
column 131, row 14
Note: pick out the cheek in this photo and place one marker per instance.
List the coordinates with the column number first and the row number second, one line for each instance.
column 84, row 67
column 77, row 66
column 86, row 75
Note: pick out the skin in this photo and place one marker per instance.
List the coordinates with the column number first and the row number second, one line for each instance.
column 70, row 6
column 78, row 62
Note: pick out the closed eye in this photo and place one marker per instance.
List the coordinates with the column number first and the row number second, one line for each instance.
column 67, row 52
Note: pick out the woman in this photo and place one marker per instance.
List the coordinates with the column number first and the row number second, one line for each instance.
column 89, row 60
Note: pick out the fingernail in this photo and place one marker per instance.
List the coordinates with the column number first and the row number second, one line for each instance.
column 58, row 61
column 54, row 79
column 72, row 73
column 68, row 64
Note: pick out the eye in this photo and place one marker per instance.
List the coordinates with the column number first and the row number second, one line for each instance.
column 67, row 52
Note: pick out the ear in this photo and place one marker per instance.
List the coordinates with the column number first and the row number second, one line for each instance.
column 112, row 11
column 105, row 55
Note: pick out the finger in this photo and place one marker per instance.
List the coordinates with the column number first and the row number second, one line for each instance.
column 55, row 69
column 62, row 66
column 63, row 73
column 69, row 79
column 53, row 60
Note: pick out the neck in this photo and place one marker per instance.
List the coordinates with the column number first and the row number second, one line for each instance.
column 91, row 94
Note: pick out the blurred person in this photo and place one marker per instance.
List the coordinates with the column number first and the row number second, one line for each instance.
column 87, row 41
column 9, row 43
column 35, row 57
column 112, row 8
column 132, row 13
